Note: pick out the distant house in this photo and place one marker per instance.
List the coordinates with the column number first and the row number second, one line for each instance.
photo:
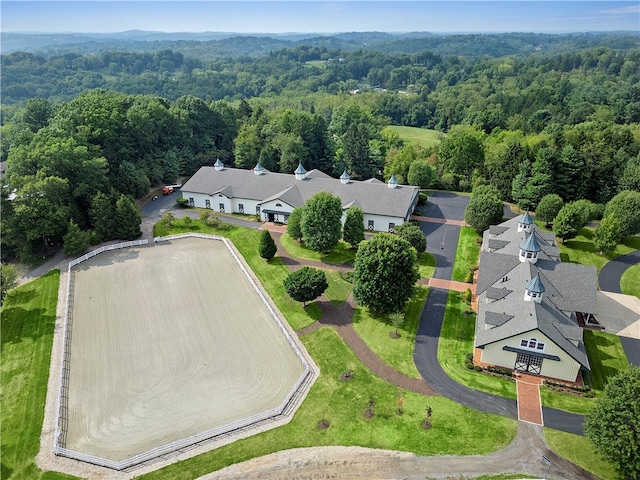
column 530, row 304
column 273, row 196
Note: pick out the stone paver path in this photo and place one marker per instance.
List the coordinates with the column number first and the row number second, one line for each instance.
column 444, row 221
column 451, row 285
column 529, row 405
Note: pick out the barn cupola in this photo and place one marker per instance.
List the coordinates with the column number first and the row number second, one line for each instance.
column 529, row 249
column 218, row 165
column 525, row 224
column 534, row 289
column 258, row 169
column 393, row 182
column 344, row 178
column 300, row 172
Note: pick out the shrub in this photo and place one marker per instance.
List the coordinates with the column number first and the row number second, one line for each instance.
column 467, row 295
column 477, row 368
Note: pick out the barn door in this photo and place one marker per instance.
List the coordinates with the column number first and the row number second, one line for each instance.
column 528, row 363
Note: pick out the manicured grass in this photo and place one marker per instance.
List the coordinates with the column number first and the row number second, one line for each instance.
column 417, row 136
column 579, row 450
column 456, row 341
column 28, row 320
column 339, row 289
column 395, row 352
column 271, row 273
column 581, row 249
column 630, row 281
column 426, row 265
column 607, row 358
column 456, row 430
column 342, row 253
column 467, row 253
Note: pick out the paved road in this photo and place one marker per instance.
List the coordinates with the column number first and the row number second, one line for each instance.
column 442, row 241
column 609, row 277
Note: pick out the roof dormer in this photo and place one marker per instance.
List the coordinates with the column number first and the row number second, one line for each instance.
column 529, row 249
column 534, row 289
column 218, row 165
column 344, row 178
column 393, row 182
column 525, row 224
column 258, row 169
column 300, row 172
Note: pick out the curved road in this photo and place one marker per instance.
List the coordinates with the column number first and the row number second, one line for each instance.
column 442, row 241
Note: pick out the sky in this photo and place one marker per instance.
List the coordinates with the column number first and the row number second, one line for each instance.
column 306, row 16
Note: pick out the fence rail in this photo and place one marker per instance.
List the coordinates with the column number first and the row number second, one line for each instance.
column 62, row 416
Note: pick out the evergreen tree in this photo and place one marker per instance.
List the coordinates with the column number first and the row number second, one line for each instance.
column 306, row 284
column 102, row 214
column 353, row 231
column 75, row 241
column 267, row 247
column 519, row 191
column 385, row 273
column 127, row 219
column 294, row 223
column 322, row 222
column 541, row 181
column 570, row 175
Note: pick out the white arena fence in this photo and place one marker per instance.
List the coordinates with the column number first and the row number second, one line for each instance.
column 179, row 445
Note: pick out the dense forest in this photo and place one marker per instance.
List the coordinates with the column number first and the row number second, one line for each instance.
column 86, row 134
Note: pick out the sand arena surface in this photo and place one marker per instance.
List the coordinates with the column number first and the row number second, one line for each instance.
column 169, row 341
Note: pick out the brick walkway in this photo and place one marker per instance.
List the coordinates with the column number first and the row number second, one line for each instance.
column 341, row 319
column 460, row 223
column 451, row 285
column 529, row 405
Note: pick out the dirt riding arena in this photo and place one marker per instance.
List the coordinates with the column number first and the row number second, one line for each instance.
column 169, row 341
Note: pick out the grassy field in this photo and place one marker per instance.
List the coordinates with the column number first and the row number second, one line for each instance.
column 426, row 265
column 271, row 273
column 630, row 281
column 395, row 352
column 417, row 136
column 342, row 253
column 28, row 319
column 579, row 450
column 456, row 341
column 467, row 253
column 339, row 289
column 456, row 429
column 581, row 249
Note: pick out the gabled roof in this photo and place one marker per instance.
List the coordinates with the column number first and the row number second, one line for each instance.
column 493, row 324
column 374, row 198
column 506, row 239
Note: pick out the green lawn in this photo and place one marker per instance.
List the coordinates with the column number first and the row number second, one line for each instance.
column 581, row 249
column 630, row 281
column 271, row 274
column 28, row 319
column 342, row 253
column 456, row 341
column 426, row 265
column 417, row 136
column 579, row 450
column 339, row 289
column 467, row 253
column 456, row 430
column 395, row 352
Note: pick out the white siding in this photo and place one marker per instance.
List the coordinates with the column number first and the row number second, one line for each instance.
column 565, row 369
column 380, row 222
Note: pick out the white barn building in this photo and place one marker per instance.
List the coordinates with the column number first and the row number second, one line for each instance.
column 273, row 196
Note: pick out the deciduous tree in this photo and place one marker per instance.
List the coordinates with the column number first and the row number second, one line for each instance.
column 614, row 424
column 625, row 206
column 8, row 279
column 294, row 223
column 548, row 208
column 607, row 235
column 569, row 221
column 306, row 284
column 421, row 174
column 353, row 231
column 483, row 210
column 414, row 235
column 385, row 273
column 322, row 222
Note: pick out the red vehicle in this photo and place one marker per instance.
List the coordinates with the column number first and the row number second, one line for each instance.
column 168, row 189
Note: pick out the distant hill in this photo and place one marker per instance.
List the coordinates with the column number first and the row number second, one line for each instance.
column 211, row 45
